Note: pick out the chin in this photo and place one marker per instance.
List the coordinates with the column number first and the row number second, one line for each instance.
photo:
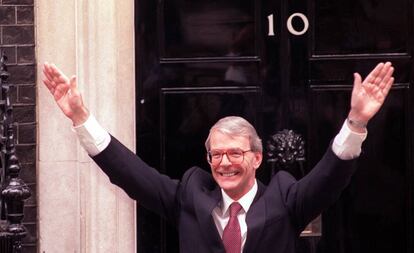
column 228, row 186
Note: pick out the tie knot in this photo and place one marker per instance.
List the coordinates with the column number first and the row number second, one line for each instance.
column 235, row 208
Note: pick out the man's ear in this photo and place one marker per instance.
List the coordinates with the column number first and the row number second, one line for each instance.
column 258, row 157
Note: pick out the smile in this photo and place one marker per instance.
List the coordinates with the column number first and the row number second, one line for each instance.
column 228, row 174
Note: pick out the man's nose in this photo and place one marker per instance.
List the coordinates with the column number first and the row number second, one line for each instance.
column 225, row 160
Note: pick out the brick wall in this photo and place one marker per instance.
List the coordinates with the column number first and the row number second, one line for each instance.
column 18, row 42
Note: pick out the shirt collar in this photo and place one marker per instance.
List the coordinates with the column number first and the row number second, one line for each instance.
column 245, row 201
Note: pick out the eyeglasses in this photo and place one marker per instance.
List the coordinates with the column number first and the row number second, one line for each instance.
column 234, row 155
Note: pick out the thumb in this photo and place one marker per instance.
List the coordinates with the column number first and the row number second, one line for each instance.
column 357, row 78
column 357, row 81
column 73, row 85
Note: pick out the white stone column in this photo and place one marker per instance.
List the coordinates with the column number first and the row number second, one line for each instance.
column 79, row 210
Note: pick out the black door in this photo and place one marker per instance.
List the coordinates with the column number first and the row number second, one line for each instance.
column 281, row 65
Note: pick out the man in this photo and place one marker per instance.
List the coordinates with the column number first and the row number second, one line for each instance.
column 229, row 210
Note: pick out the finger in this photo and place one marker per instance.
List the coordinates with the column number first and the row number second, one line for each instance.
column 57, row 70
column 382, row 73
column 386, row 78
column 388, row 86
column 57, row 73
column 53, row 68
column 50, row 70
column 47, row 73
column 53, row 75
column 45, row 66
column 60, row 79
column 49, row 86
column 374, row 73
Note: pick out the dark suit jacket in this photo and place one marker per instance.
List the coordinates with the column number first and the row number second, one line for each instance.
column 279, row 212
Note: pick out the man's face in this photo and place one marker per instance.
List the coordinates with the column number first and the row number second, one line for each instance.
column 235, row 179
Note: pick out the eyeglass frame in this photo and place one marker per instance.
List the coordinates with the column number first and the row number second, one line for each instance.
column 209, row 160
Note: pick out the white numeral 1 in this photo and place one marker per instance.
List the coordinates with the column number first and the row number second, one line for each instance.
column 271, row 30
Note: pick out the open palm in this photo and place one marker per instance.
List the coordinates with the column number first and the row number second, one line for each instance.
column 369, row 95
column 65, row 93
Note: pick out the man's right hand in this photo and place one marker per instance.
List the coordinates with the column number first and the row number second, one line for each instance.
column 65, row 93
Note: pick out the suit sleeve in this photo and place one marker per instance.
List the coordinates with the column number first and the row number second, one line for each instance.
column 320, row 188
column 141, row 182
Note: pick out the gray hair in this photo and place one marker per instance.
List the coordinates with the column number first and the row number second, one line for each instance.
column 237, row 126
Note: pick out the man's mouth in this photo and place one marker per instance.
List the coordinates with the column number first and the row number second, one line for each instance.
column 228, row 174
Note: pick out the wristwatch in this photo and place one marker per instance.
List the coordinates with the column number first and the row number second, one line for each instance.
column 356, row 123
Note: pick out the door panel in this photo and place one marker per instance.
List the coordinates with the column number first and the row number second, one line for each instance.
column 208, row 28
column 361, row 27
column 199, row 60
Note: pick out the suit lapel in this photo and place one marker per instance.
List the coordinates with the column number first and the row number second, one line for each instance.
column 255, row 220
column 204, row 207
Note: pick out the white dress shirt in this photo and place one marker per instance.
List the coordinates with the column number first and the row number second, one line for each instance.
column 346, row 145
column 221, row 213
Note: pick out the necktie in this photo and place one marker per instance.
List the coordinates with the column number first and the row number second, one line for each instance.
column 231, row 233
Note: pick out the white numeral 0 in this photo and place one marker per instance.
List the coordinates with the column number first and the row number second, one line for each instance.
column 304, row 20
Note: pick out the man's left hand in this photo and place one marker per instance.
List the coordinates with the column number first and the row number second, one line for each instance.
column 369, row 95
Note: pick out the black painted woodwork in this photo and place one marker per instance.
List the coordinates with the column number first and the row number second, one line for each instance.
column 198, row 61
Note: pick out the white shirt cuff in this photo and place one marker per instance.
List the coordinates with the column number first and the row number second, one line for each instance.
column 347, row 144
column 92, row 136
